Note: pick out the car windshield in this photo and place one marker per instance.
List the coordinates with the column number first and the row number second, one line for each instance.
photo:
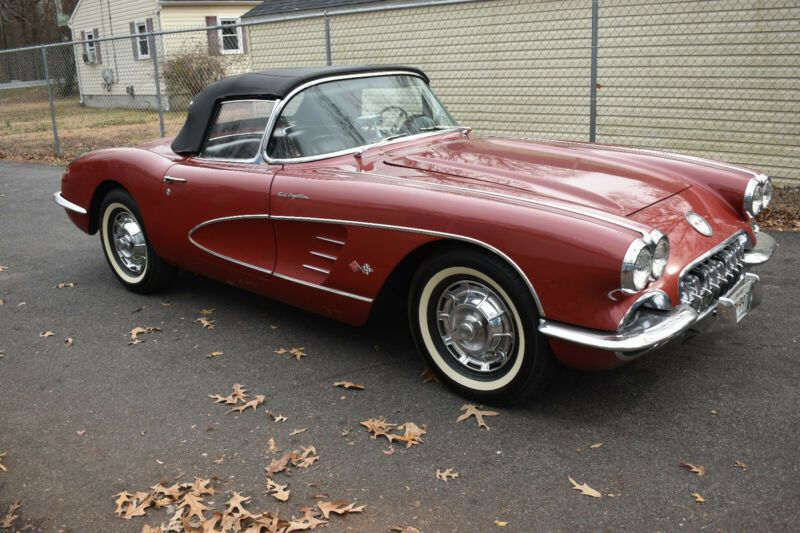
column 346, row 114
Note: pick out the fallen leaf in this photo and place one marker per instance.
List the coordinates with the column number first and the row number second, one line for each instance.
column 278, row 465
column 700, row 470
column 81, row 433
column 738, row 464
column 3, row 269
column 405, row 529
column 585, row 489
column 236, row 503
column 277, row 491
column 471, row 410
column 413, row 434
column 65, row 285
column 339, row 507
column 69, row 341
column 379, row 427
column 208, row 312
column 500, row 523
column 200, row 487
column 272, row 447
column 428, row 376
column 348, row 385
column 137, row 505
column 215, row 354
column 305, row 458
column 123, row 499
column 255, row 402
column 3, row 467
column 276, row 418
column 195, row 504
column 281, row 351
column 219, row 460
column 175, row 491
column 46, row 333
column 2, row 302
column 229, row 399
column 10, row 517
column 139, row 330
column 444, row 475
column 309, row 520
column 297, row 431
column 698, row 498
column 596, row 445
column 206, row 323
column 714, row 412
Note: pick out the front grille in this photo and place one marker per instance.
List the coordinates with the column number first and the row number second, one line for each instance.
column 704, row 283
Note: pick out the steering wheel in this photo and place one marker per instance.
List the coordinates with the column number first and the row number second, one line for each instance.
column 399, row 120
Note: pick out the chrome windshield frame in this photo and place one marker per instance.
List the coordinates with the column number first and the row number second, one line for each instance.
column 280, row 104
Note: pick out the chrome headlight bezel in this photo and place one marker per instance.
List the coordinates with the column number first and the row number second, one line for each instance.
column 660, row 256
column 637, row 266
column 645, row 261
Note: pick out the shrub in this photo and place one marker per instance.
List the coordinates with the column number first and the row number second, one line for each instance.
column 189, row 73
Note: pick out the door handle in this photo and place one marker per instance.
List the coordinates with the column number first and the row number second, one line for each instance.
column 172, row 179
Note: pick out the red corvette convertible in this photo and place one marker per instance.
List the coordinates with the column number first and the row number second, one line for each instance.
column 334, row 189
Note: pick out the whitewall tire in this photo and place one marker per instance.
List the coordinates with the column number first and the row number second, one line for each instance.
column 475, row 323
column 126, row 247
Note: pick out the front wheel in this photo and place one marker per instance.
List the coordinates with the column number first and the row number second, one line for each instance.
column 475, row 323
column 125, row 245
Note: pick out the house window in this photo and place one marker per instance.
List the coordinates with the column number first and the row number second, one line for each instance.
column 142, row 41
column 91, row 47
column 230, row 36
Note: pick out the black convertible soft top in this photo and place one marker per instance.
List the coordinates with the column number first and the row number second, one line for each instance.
column 267, row 84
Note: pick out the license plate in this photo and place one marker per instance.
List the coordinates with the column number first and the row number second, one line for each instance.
column 742, row 304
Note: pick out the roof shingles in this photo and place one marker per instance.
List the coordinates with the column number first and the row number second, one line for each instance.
column 284, row 7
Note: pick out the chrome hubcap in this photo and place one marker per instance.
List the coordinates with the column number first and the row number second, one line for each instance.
column 129, row 243
column 476, row 326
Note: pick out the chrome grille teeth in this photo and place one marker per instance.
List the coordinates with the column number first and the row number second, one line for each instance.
column 715, row 276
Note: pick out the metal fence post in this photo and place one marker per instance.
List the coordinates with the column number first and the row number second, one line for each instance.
column 154, row 55
column 593, row 88
column 327, row 22
column 56, row 145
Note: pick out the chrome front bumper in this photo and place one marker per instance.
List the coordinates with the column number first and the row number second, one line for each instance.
column 66, row 204
column 654, row 328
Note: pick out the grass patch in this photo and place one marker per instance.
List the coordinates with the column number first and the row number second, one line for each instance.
column 26, row 130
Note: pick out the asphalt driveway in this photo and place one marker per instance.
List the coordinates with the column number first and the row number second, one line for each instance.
column 82, row 423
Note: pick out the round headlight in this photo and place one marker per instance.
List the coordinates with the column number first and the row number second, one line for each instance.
column 660, row 257
column 757, row 195
column 758, row 199
column 637, row 266
column 766, row 193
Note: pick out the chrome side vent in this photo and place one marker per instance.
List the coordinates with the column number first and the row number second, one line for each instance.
column 324, row 257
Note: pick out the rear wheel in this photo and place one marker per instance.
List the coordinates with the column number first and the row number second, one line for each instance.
column 475, row 323
column 125, row 245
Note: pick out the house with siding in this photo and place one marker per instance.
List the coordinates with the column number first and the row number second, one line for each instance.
column 121, row 72
column 712, row 78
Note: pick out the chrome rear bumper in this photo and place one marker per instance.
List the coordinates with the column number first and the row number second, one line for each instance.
column 653, row 328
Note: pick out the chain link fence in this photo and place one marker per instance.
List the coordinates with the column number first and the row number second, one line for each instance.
column 717, row 78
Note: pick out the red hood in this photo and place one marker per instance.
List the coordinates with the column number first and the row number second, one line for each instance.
column 616, row 183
